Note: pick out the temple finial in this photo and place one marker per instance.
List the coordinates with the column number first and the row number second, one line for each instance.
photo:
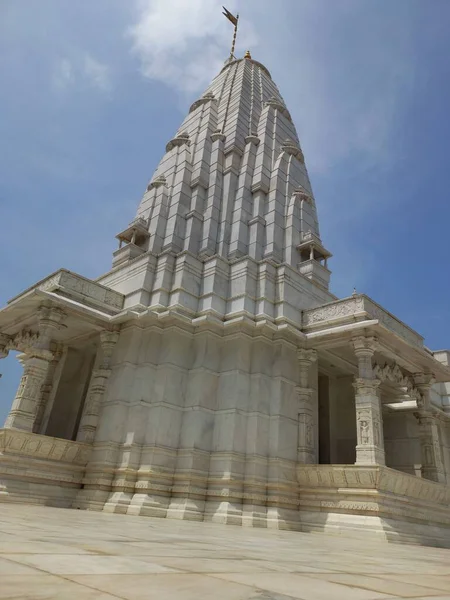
column 247, row 54
column 234, row 20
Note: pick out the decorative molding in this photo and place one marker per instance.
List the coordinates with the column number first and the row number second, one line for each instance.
column 34, row 446
column 393, row 374
column 277, row 105
column 292, row 148
column 81, row 290
column 157, row 182
column 218, row 136
column 208, row 97
column 252, row 139
column 180, row 140
column 376, row 477
column 360, row 308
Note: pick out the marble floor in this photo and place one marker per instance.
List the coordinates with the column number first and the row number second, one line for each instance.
column 49, row 553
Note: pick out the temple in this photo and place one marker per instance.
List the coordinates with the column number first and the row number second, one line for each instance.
column 211, row 374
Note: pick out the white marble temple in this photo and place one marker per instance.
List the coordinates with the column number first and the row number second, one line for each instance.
column 211, row 375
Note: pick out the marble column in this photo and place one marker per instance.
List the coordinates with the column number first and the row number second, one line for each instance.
column 307, row 409
column 24, row 408
column 36, row 362
column 46, row 390
column 97, row 387
column 369, row 419
column 432, row 465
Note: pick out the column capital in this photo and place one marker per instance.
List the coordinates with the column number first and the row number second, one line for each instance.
column 366, row 387
column 423, row 381
column 306, row 355
column 364, row 348
column 364, row 345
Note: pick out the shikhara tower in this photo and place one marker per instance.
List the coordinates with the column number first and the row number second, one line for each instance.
column 211, row 375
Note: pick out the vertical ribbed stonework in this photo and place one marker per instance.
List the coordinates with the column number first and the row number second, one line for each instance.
column 201, row 416
column 233, row 185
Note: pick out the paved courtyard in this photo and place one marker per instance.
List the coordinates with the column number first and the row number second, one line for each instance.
column 51, row 553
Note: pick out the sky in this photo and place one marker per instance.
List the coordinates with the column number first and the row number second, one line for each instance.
column 92, row 91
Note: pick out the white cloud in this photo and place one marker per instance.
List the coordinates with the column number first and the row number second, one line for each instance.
column 344, row 80
column 80, row 71
column 63, row 75
column 97, row 73
column 184, row 43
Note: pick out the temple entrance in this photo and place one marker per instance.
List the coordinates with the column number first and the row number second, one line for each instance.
column 70, row 385
column 337, row 420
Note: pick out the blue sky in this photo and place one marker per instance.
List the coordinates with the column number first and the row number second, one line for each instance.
column 92, row 91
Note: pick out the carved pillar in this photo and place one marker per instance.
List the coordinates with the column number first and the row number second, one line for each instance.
column 36, row 361
column 46, row 390
column 432, row 465
column 24, row 408
column 369, row 419
column 97, row 387
column 307, row 411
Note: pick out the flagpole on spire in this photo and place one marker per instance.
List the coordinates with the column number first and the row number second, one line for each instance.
column 233, row 19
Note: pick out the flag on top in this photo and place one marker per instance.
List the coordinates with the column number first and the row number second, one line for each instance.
column 230, row 16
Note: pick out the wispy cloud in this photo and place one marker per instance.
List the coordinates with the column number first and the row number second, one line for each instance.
column 97, row 73
column 183, row 43
column 345, row 103
column 81, row 71
column 63, row 74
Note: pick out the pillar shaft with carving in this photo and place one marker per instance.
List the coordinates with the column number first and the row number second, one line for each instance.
column 307, row 409
column 36, row 362
column 369, row 420
column 24, row 408
column 46, row 390
column 97, row 388
column 432, row 465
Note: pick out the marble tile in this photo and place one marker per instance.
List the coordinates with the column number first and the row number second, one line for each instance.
column 169, row 587
column 46, row 587
column 302, row 587
column 11, row 567
column 436, row 582
column 398, row 588
column 136, row 557
column 32, row 547
column 85, row 564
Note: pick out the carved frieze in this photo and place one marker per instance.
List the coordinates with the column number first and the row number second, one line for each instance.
column 80, row 288
column 393, row 374
column 361, row 307
column 39, row 446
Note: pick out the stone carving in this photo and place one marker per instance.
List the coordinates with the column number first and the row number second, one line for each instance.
column 40, row 446
column 363, row 307
column 79, row 287
column 292, row 148
column 24, row 341
column 157, row 182
column 336, row 310
column 306, row 431
column 370, row 477
column 364, row 432
column 277, row 105
column 218, row 135
column 208, row 97
column 179, row 140
column 393, row 374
